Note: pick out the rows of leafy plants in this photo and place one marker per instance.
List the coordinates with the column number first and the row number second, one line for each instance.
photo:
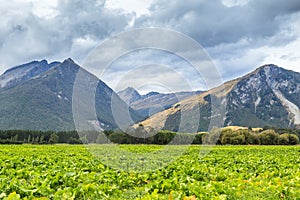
column 201, row 172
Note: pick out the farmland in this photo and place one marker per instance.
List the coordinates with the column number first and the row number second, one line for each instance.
column 73, row 172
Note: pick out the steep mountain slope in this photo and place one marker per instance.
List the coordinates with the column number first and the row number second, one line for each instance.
column 24, row 72
column 269, row 96
column 152, row 102
column 40, row 98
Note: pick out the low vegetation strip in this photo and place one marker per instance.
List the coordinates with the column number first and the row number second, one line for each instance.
column 227, row 172
column 243, row 136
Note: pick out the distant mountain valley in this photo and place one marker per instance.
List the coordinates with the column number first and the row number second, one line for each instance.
column 152, row 102
column 38, row 96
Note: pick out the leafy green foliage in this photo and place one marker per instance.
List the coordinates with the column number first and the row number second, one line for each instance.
column 266, row 137
column 227, row 172
column 53, row 138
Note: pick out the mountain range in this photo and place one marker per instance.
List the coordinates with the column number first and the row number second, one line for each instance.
column 39, row 95
column 268, row 96
column 152, row 102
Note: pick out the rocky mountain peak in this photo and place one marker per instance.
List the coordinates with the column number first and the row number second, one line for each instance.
column 18, row 74
column 69, row 60
column 268, row 96
column 38, row 96
column 129, row 95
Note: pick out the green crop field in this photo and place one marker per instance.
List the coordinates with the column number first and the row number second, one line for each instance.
column 73, row 172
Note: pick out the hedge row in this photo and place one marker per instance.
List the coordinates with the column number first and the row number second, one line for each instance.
column 215, row 136
column 141, row 136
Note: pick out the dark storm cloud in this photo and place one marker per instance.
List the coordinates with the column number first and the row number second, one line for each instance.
column 212, row 23
column 232, row 34
column 24, row 36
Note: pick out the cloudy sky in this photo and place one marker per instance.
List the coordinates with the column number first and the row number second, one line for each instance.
column 238, row 35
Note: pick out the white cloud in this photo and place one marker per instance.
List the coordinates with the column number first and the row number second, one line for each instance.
column 239, row 35
column 231, row 3
column 151, row 67
column 139, row 7
column 287, row 56
column 26, row 35
column 82, row 46
column 43, row 8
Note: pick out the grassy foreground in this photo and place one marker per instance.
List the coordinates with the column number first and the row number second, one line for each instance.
column 107, row 172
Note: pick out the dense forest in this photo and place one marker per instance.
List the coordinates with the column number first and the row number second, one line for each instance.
column 266, row 136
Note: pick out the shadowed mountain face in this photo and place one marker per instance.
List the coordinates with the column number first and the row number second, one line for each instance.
column 152, row 102
column 269, row 96
column 19, row 74
column 38, row 96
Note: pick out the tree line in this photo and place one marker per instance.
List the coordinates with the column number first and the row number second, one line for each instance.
column 249, row 137
column 38, row 137
column 217, row 136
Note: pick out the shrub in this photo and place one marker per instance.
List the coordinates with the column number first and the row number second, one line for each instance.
column 164, row 137
column 253, row 139
column 233, row 137
column 268, row 137
column 118, row 137
column 102, row 139
column 198, row 138
column 53, row 138
column 284, row 139
column 293, row 139
column 213, row 137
